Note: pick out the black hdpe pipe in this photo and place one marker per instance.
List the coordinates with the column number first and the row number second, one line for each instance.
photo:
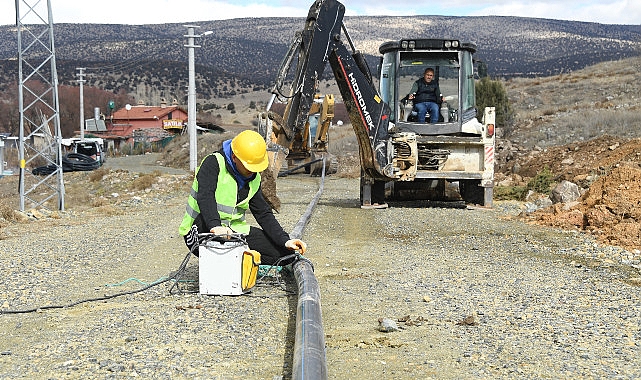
column 309, row 347
column 290, row 171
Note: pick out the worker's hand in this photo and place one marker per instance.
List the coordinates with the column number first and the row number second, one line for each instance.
column 296, row 244
column 221, row 230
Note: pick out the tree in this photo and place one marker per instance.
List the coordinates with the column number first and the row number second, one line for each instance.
column 491, row 93
column 9, row 114
column 482, row 69
column 93, row 97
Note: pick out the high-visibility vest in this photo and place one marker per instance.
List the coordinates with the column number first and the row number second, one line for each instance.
column 231, row 213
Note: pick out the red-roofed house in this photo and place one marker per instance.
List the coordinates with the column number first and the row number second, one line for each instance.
column 143, row 123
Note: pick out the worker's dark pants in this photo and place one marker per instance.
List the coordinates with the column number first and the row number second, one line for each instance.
column 270, row 253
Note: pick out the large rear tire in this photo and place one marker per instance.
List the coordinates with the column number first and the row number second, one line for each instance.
column 472, row 192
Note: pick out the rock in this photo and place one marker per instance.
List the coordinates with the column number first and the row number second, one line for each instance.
column 37, row 214
column 537, row 204
column 565, row 192
column 387, row 325
column 568, row 206
column 567, row 161
column 543, row 202
column 470, row 320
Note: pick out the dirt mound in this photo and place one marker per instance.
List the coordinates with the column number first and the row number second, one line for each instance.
column 595, row 156
column 609, row 171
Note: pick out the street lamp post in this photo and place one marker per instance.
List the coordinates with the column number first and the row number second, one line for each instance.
column 191, row 95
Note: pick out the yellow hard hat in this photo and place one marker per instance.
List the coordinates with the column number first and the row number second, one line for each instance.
column 250, row 148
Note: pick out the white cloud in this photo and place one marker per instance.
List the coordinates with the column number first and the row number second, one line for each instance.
column 156, row 11
column 612, row 12
column 167, row 11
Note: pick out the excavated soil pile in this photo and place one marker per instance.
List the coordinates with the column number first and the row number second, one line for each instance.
column 609, row 169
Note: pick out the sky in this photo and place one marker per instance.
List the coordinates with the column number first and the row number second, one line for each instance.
column 138, row 12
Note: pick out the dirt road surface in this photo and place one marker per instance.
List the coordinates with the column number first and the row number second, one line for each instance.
column 474, row 293
column 144, row 163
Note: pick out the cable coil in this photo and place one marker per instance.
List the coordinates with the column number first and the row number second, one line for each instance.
column 71, row 162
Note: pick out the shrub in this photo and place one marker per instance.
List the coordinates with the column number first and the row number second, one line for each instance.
column 6, row 212
column 510, row 193
column 145, row 181
column 98, row 174
column 542, row 182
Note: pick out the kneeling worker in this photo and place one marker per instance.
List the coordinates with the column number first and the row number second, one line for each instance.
column 227, row 183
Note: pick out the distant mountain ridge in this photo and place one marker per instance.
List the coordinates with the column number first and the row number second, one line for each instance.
column 246, row 53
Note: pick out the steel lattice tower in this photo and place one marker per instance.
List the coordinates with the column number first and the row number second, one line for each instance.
column 40, row 136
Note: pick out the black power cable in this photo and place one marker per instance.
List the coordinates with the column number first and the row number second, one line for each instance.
column 70, row 163
column 202, row 238
column 172, row 277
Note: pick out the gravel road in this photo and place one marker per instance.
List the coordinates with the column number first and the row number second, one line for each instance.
column 475, row 294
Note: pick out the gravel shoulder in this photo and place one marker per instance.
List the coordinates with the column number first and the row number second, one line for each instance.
column 475, row 294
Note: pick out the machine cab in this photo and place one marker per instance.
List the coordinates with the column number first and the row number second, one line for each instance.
column 405, row 61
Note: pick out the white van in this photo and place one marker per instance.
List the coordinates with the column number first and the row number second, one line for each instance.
column 92, row 147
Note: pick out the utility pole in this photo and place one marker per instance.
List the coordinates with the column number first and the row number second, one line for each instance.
column 81, row 81
column 191, row 98
column 191, row 95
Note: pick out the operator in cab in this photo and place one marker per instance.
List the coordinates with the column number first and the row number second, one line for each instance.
column 226, row 185
column 427, row 97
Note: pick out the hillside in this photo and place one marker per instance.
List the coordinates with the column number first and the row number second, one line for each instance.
column 577, row 106
column 149, row 61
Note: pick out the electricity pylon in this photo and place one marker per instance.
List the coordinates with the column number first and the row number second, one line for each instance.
column 39, row 146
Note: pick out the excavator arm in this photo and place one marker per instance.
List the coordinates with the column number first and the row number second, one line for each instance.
column 317, row 44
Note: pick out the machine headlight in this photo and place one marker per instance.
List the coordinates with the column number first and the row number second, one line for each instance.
column 448, row 44
column 412, row 44
column 404, row 44
column 455, row 44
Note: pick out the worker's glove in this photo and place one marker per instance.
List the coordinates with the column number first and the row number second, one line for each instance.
column 296, row 244
column 221, row 230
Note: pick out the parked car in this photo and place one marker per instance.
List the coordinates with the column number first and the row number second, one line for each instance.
column 92, row 147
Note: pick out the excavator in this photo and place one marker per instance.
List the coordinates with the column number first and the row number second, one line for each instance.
column 309, row 146
column 401, row 157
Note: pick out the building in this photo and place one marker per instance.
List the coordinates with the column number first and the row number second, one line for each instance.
column 140, row 125
column 154, row 122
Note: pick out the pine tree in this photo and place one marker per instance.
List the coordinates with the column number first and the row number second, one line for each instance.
column 491, row 93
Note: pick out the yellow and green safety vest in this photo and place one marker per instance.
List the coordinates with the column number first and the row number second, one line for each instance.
column 231, row 213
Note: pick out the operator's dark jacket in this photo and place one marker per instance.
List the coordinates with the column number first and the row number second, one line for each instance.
column 426, row 92
column 208, row 218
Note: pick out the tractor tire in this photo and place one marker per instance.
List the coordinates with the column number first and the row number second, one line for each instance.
column 472, row 192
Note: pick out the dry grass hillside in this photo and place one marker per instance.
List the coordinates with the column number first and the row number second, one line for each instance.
column 577, row 106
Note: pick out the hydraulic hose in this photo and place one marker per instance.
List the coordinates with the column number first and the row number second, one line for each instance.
column 309, row 361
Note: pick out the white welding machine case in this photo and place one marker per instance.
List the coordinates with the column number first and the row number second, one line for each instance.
column 227, row 268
